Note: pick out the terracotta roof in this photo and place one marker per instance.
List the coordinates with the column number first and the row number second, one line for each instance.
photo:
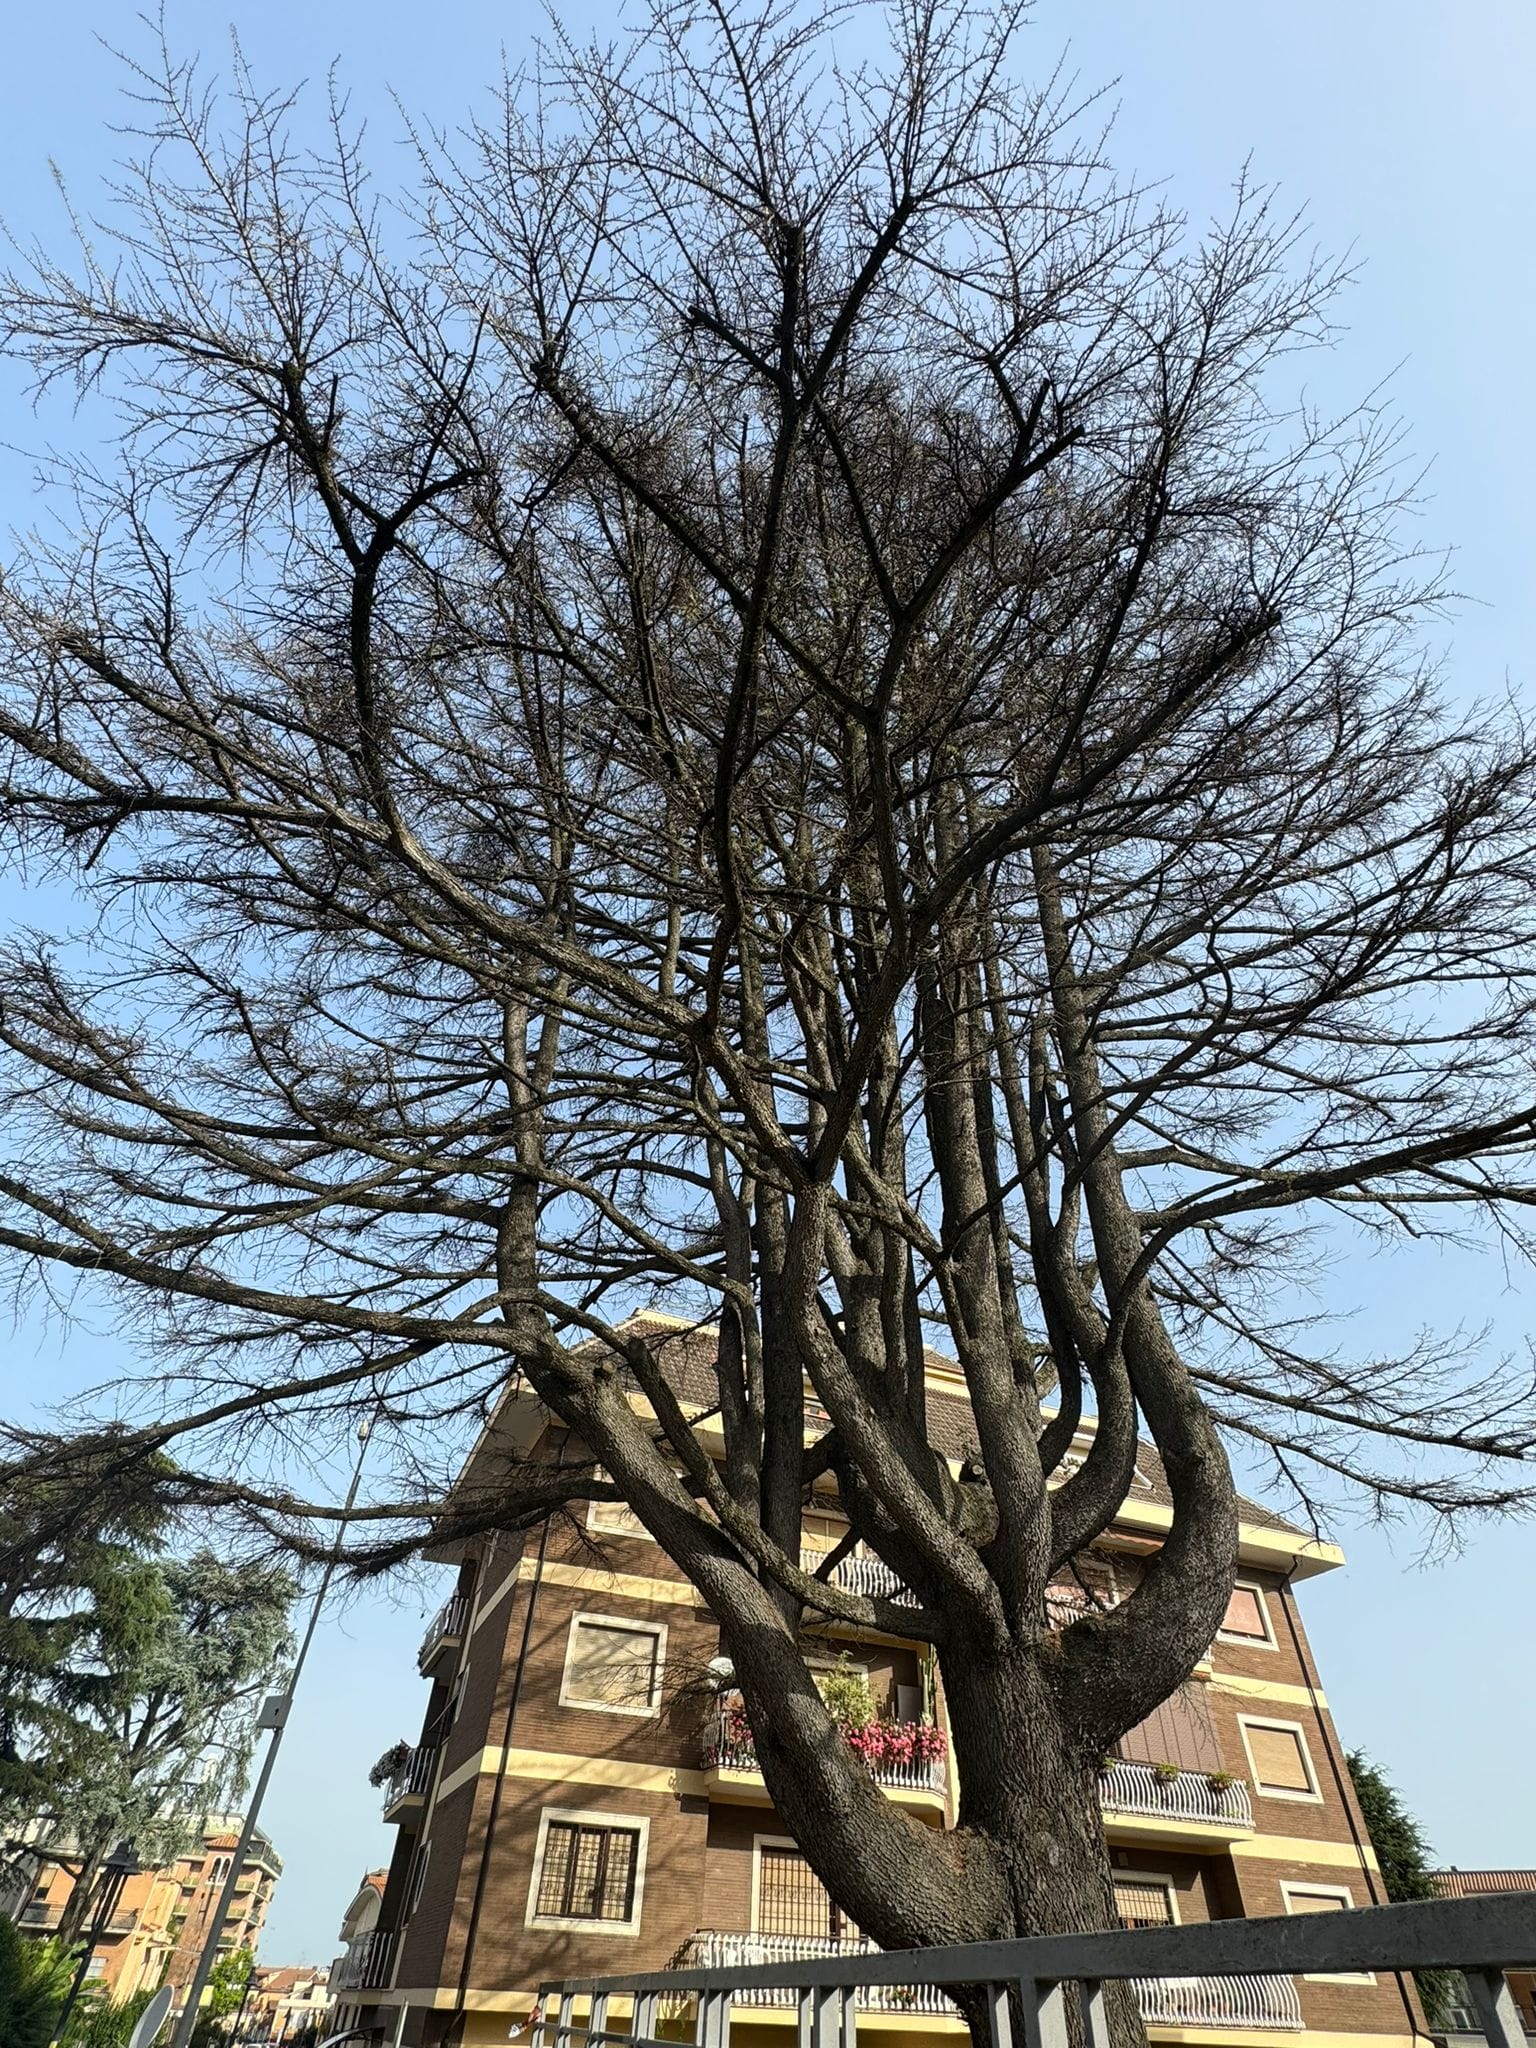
column 1472, row 1884
column 377, row 1878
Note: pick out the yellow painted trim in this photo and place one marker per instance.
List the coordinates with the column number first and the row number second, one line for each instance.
column 1150, row 1827
column 1313, row 2037
column 583, row 1578
column 1302, row 1849
column 747, row 1788
column 555, row 1767
column 1267, row 1689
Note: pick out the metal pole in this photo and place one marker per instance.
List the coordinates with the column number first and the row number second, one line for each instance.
column 205, row 1962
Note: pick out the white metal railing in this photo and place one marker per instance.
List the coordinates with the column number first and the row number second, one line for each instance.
column 734, row 1750
column 364, row 1963
column 1237, row 2001
column 1165, row 2001
column 1191, row 1795
column 1237, row 1974
column 708, row 1950
column 413, row 1780
column 869, row 1577
column 448, row 1621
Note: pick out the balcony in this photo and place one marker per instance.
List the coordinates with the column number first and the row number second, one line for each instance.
column 444, row 1632
column 868, row 1577
column 708, row 1950
column 1140, row 1803
column 1269, row 2003
column 918, row 1783
column 1225, row 2003
column 405, row 1792
column 365, row 1963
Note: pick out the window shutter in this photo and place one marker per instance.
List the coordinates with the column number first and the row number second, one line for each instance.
column 1278, row 1759
column 1315, row 1902
column 1245, row 1615
column 791, row 1898
column 1143, row 1902
column 612, row 1665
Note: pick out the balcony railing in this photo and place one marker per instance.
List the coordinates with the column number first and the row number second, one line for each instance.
column 1269, row 2002
column 733, row 1749
column 869, row 1577
column 413, row 1780
column 1236, row 2001
column 446, row 1626
column 364, row 1964
column 1236, row 1974
column 1139, row 1789
column 710, row 1951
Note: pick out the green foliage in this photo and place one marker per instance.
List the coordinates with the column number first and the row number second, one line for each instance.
column 1406, row 1862
column 105, row 2022
column 227, row 1983
column 846, row 1693
column 34, row 1982
column 165, row 1659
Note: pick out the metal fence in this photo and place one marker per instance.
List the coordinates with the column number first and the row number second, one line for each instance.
column 1482, row 1938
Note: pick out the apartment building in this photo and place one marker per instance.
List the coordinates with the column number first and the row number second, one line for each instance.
column 162, row 1916
column 583, row 1797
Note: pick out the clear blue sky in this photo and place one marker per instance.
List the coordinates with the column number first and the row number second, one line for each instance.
column 1404, row 127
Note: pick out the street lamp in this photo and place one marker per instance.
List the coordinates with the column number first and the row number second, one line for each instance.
column 116, row 1870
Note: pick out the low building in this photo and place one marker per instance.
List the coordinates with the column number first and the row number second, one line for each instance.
column 156, row 1932
column 362, row 1942
column 1477, row 1884
column 579, row 1802
column 289, row 2003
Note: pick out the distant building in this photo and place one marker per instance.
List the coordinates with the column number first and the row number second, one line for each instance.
column 288, row 2003
column 364, row 1949
column 1477, row 1884
column 162, row 1917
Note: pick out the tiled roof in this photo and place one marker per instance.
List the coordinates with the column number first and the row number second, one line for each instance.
column 1472, row 1884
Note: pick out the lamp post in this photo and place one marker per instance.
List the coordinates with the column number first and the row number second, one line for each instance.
column 116, row 1870
column 274, row 1715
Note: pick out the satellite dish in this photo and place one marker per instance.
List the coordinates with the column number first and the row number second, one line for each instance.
column 151, row 2019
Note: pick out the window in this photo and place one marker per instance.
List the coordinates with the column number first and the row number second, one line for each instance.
column 95, row 1968
column 1247, row 1617
column 1324, row 1898
column 615, row 1518
column 1144, row 1901
column 588, row 1871
column 1279, row 1759
column 791, row 1898
column 613, row 1665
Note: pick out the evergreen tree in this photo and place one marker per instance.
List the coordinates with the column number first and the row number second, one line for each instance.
column 1405, row 1857
column 34, row 1982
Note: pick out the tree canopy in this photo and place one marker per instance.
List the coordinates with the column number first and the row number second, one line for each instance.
column 761, row 700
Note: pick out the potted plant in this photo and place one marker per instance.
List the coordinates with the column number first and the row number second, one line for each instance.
column 1166, row 1774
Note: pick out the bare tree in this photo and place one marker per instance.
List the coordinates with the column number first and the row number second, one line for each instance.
column 759, row 702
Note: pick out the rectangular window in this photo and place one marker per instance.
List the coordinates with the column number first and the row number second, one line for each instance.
column 1282, row 1766
column 1324, row 1898
column 613, row 1664
column 588, row 1872
column 1247, row 1617
column 615, row 1518
column 791, row 1898
column 1144, row 1901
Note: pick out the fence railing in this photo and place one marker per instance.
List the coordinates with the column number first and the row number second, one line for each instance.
column 1245, row 2001
column 870, row 1577
column 1032, row 1980
column 448, row 1621
column 413, row 1780
column 1191, row 1795
column 364, row 1963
